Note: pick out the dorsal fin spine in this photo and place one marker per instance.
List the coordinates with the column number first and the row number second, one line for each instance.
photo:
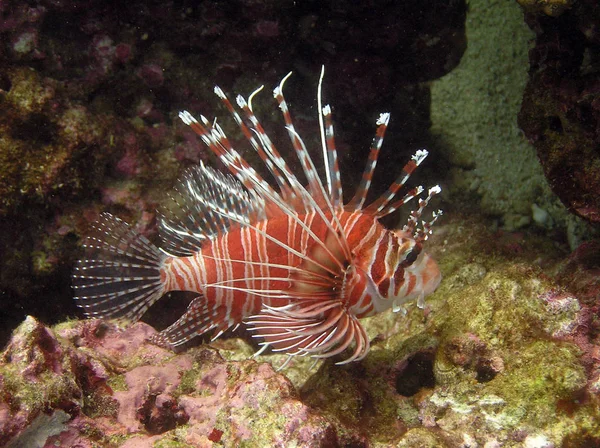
column 333, row 169
column 322, row 133
column 284, row 187
column 307, row 198
column 360, row 195
column 220, row 145
column 268, row 146
column 315, row 185
column 380, row 203
column 296, row 186
column 400, row 202
column 222, row 148
column 338, row 229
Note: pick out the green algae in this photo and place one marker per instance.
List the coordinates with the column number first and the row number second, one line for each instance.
column 114, row 440
column 502, row 301
column 364, row 396
column 264, row 396
column 41, row 149
column 27, row 379
column 29, row 92
column 473, row 113
column 68, row 324
column 188, row 380
column 260, row 417
column 337, row 393
column 527, row 396
column 259, row 426
column 543, row 374
column 298, row 370
column 501, row 307
column 117, row 383
column 422, row 438
column 47, row 391
column 165, row 443
column 99, row 404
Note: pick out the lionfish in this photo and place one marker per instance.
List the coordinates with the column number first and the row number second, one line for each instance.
column 294, row 262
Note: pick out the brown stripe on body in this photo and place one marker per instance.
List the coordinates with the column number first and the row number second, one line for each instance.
column 378, row 269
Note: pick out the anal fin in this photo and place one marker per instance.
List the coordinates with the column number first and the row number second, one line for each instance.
column 198, row 319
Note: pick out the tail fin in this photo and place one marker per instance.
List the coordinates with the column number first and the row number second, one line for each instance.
column 120, row 274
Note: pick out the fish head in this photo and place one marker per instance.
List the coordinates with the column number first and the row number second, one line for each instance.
column 401, row 272
column 412, row 260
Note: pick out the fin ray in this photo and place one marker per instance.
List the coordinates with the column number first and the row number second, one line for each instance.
column 199, row 318
column 357, row 202
column 120, row 274
column 321, row 329
column 203, row 206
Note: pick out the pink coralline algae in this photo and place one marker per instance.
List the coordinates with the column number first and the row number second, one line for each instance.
column 100, row 384
column 128, row 165
column 152, row 75
column 103, row 53
column 123, row 53
column 581, row 272
column 267, row 28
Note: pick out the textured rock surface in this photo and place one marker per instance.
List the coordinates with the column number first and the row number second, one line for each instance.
column 474, row 120
column 561, row 106
column 473, row 114
column 505, row 354
column 92, row 384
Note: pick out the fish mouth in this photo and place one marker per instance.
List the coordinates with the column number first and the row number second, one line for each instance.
column 430, row 274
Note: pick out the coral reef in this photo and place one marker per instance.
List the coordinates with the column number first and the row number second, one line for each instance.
column 61, row 162
column 560, row 114
column 505, row 354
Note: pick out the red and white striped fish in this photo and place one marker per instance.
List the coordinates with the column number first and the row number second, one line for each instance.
column 295, row 263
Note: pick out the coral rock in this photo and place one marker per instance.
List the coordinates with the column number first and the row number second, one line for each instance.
column 560, row 114
column 91, row 383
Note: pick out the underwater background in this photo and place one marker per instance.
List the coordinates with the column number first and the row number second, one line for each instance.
column 505, row 96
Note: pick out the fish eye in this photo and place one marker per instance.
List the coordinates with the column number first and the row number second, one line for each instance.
column 410, row 257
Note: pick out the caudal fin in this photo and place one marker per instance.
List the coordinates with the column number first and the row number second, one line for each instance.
column 120, row 273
